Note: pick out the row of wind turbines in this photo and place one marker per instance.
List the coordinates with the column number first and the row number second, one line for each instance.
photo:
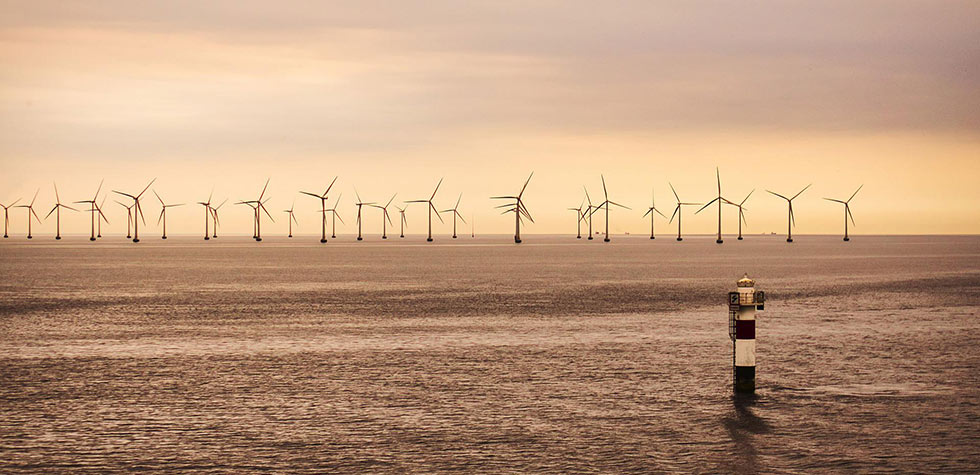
column 513, row 204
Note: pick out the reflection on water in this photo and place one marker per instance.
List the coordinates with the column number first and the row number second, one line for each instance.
column 743, row 426
column 552, row 356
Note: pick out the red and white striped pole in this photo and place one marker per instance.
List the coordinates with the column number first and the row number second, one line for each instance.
column 742, row 306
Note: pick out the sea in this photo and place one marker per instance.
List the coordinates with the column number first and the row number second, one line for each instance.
column 558, row 355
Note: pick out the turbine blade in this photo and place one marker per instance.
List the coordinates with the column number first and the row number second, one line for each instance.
column 747, row 197
column 678, row 208
column 801, row 191
column 675, row 191
column 49, row 212
column 436, row 190
column 779, row 195
column 604, row 192
column 855, row 193
column 330, row 186
column 311, row 194
column 847, row 209
column 264, row 188
column 57, row 199
column 147, row 187
column 648, row 212
column 525, row 185
column 587, row 195
column 661, row 214
column 705, row 206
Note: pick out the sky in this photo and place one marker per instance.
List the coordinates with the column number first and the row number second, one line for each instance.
column 393, row 96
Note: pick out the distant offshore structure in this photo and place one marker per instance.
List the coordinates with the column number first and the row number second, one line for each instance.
column 583, row 213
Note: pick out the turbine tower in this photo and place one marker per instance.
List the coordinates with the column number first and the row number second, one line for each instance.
column 403, row 221
column 94, row 210
column 359, row 204
column 57, row 207
column 384, row 209
column 129, row 218
column 589, row 210
column 432, row 208
column 323, row 209
column 163, row 213
column 137, row 210
column 605, row 204
column 6, row 216
column 336, row 216
column 517, row 207
column 30, row 212
column 207, row 215
column 650, row 211
column 101, row 218
column 291, row 218
column 455, row 212
column 260, row 206
column 847, row 210
column 677, row 211
column 791, row 221
column 720, row 201
column 216, row 221
column 741, row 214
column 578, row 219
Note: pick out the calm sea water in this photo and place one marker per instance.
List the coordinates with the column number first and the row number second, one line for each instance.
column 557, row 355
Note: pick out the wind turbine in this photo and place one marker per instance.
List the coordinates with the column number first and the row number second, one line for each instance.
column 292, row 218
column 216, row 222
column 137, row 210
column 677, row 211
column 260, row 206
column 129, row 218
column 432, row 208
column 720, row 201
column 207, row 215
column 359, row 205
column 336, row 216
column 589, row 210
column 741, row 214
column 578, row 219
column 30, row 211
column 403, row 221
column 517, row 207
column 791, row 221
column 605, row 204
column 323, row 209
column 847, row 210
column 57, row 207
column 455, row 212
column 384, row 209
column 95, row 209
column 6, row 216
column 650, row 211
column 163, row 213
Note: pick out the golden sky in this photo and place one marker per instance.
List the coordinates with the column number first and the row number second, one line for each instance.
column 391, row 96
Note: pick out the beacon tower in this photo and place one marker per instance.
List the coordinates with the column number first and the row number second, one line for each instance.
column 742, row 306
